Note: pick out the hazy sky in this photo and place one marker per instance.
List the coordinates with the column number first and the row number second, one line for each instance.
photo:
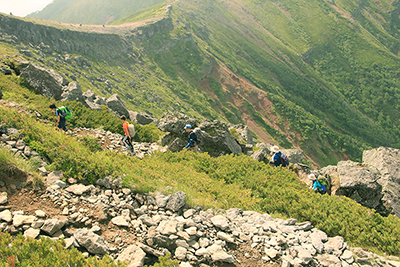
column 22, row 7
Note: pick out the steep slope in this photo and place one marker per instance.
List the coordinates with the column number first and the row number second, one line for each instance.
column 320, row 76
column 91, row 11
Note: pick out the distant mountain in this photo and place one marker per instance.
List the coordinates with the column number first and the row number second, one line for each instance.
column 91, row 11
column 322, row 76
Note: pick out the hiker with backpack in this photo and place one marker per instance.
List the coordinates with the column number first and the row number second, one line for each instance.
column 192, row 138
column 129, row 130
column 317, row 185
column 278, row 159
column 63, row 114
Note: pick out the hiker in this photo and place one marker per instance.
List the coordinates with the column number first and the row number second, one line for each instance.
column 316, row 185
column 192, row 139
column 62, row 113
column 278, row 159
column 127, row 139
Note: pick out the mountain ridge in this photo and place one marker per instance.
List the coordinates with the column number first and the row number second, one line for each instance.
column 308, row 93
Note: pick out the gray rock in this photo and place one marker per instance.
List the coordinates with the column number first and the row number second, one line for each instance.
column 45, row 81
column 52, row 226
column 3, row 198
column 78, row 189
column 120, row 221
column 143, row 118
column 294, row 155
column 220, row 222
column 93, row 243
column 72, row 92
column 133, row 256
column 176, row 201
column 53, row 176
column 167, row 227
column 115, row 104
column 357, row 182
column 161, row 200
column 386, row 161
column 6, row 216
column 32, row 233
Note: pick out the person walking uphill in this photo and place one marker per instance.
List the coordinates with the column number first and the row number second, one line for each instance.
column 192, row 139
column 278, row 159
column 127, row 139
column 62, row 113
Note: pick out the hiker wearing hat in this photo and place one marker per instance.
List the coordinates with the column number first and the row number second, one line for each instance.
column 62, row 114
column 317, row 186
column 278, row 159
column 192, row 138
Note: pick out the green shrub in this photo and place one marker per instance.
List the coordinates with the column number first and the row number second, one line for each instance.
column 22, row 251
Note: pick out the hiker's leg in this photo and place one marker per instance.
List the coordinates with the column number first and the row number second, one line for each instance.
column 61, row 124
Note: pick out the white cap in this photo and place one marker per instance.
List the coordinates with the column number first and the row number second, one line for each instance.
column 274, row 149
column 311, row 176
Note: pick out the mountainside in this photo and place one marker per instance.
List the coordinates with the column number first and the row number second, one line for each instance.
column 91, row 11
column 317, row 75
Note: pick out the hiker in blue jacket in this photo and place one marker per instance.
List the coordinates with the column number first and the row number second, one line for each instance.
column 192, row 139
column 278, row 158
column 316, row 186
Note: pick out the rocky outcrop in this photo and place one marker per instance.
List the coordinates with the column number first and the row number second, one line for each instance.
column 357, row 182
column 72, row 92
column 387, row 162
column 216, row 134
column 92, row 101
column 244, row 133
column 141, row 118
column 64, row 40
column 45, row 81
column 115, row 103
column 374, row 184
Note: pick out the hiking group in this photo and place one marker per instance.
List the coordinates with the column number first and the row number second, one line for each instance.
column 63, row 114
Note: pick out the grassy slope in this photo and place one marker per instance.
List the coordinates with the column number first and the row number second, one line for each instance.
column 264, row 43
column 91, row 11
column 224, row 182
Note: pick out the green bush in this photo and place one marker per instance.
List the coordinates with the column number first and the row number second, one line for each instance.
column 22, row 251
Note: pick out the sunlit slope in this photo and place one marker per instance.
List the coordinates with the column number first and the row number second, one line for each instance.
column 332, row 76
column 91, row 11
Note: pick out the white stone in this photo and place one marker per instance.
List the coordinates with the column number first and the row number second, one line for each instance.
column 6, row 216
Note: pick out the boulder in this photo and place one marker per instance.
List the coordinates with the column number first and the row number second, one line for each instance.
column 72, row 92
column 52, row 226
column 294, row 155
column 175, row 123
column 176, row 201
column 90, row 100
column 133, row 256
column 386, row 161
column 217, row 136
column 144, row 118
column 45, row 81
column 358, row 182
column 244, row 133
column 92, row 242
column 261, row 154
column 177, row 145
column 115, row 104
